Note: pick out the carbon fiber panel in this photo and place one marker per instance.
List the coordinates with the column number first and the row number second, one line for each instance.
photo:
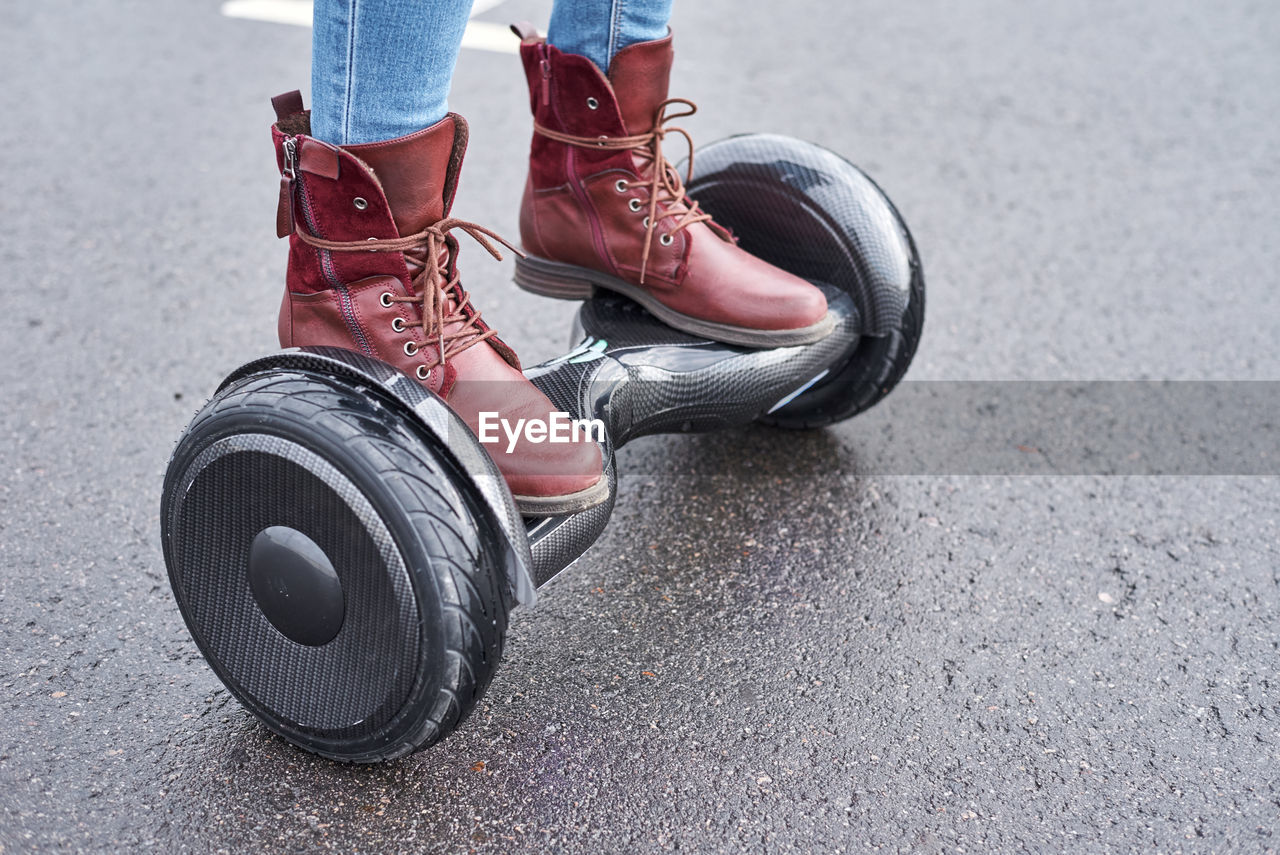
column 641, row 377
column 233, row 489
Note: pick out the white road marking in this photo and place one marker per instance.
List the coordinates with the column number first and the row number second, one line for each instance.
column 479, row 7
column 480, row 35
column 296, row 12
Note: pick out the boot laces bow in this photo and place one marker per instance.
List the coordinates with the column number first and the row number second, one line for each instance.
column 666, row 187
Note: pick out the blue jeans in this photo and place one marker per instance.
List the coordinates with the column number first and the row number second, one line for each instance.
column 381, row 69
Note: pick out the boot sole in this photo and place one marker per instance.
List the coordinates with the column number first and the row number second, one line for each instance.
column 572, row 503
column 571, row 282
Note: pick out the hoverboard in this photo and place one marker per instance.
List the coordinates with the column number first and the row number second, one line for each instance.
column 346, row 554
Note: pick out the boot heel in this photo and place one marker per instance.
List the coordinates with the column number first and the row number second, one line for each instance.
column 552, row 280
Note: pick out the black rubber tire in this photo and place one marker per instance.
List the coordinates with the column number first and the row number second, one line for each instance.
column 454, row 565
column 871, row 372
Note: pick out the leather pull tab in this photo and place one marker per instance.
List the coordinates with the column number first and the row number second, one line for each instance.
column 284, row 210
column 286, row 104
column 524, row 31
column 318, row 158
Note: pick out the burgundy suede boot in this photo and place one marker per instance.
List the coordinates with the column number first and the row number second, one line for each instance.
column 603, row 208
column 373, row 268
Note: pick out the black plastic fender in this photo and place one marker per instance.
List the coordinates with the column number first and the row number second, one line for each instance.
column 809, row 211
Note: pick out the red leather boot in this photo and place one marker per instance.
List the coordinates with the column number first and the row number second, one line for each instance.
column 373, row 268
column 604, row 209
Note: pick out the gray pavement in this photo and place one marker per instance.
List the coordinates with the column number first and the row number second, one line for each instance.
column 773, row 648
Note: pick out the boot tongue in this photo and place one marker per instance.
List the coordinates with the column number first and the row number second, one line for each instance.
column 639, row 75
column 418, row 172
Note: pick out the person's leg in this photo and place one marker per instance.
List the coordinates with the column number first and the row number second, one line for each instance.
column 367, row 184
column 381, row 69
column 603, row 206
column 598, row 29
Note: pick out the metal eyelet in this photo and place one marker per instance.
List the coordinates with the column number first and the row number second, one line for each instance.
column 592, row 103
column 410, row 348
column 398, row 324
column 385, row 299
column 424, row 373
column 646, row 221
column 360, row 202
column 621, row 185
column 666, row 240
column 635, row 205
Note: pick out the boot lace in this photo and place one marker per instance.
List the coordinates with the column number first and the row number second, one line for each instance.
column 666, row 187
column 429, row 254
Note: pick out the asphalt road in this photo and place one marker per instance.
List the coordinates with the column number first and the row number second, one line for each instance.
column 774, row 648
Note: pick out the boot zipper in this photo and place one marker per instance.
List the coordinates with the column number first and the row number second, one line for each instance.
column 575, row 185
column 545, row 65
column 284, row 209
column 597, row 234
column 326, row 257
